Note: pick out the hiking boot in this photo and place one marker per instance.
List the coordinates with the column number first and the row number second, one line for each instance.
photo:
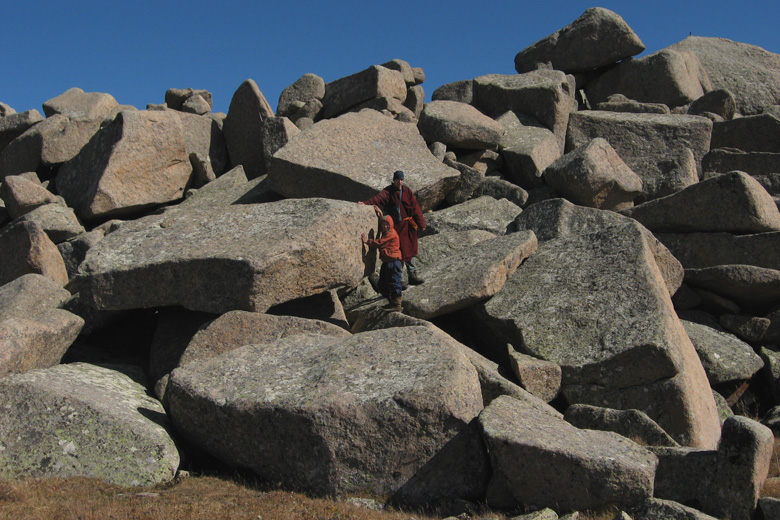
column 394, row 305
column 415, row 279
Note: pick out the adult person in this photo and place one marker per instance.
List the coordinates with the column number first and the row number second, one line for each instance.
column 399, row 202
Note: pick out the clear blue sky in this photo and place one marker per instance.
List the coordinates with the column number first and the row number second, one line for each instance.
column 137, row 50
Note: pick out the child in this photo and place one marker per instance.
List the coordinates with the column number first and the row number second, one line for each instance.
column 390, row 254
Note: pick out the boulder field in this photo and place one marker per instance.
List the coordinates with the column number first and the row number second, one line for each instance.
column 599, row 323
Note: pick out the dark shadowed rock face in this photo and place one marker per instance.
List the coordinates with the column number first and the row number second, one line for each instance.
column 330, row 414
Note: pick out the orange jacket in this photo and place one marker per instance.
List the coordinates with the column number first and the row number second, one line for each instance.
column 389, row 244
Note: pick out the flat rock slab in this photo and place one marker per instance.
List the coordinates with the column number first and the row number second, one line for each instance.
column 238, row 257
column 650, row 144
column 468, row 276
column 598, row 306
column 547, row 462
column 596, row 39
column 698, row 250
column 327, row 414
column 484, row 213
column 354, row 156
column 732, row 202
column 725, row 358
column 81, row 420
column 750, row 72
column 439, row 247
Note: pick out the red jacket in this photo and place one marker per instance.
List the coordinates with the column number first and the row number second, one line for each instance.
column 388, row 244
column 388, row 201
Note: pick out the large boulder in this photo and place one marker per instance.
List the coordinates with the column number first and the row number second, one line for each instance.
column 668, row 77
column 750, row 134
column 594, row 175
column 732, row 202
column 471, row 275
column 21, row 195
column 243, row 128
column 353, row 156
column 697, row 250
column 750, row 72
column 747, row 285
column 237, row 257
column 485, row 213
column 25, row 248
column 307, row 87
column 632, row 424
column 724, row 160
column 81, row 420
column 75, row 102
column 547, row 462
column 327, row 414
column 373, row 82
column 725, row 358
column 204, row 137
column 14, row 125
column 547, row 95
column 136, row 162
column 459, row 125
column 665, row 150
column 56, row 219
column 527, row 148
column 596, row 39
column 598, row 305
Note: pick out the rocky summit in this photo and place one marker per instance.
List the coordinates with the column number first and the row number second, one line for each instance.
column 598, row 322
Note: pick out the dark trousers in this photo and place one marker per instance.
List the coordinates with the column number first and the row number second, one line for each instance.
column 390, row 278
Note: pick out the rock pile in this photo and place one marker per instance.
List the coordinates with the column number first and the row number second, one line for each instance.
column 602, row 263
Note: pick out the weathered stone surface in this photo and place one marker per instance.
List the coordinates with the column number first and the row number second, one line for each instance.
column 769, row 507
column 724, row 160
column 632, row 424
column 388, row 106
column 57, row 220
column 547, row 462
column 594, row 175
column 176, row 98
column 598, row 306
column 237, row 257
column 596, row 39
column 749, row 286
column 486, row 161
column 30, row 294
column 137, row 161
column 459, row 125
column 25, row 248
column 14, row 125
column 484, row 213
column 558, row 218
column 197, row 105
column 468, row 181
column 232, row 187
column 243, row 128
column 750, row 134
column 462, row 91
column 750, row 72
column 527, row 149
column 748, row 328
column 276, row 132
column 547, row 95
column 404, row 68
column 309, row 86
column 81, row 420
column 415, row 99
column 354, row 156
column 670, row 77
column 732, row 202
column 75, row 102
column 650, row 144
column 725, row 358
column 439, row 247
column 620, row 103
column 468, row 276
column 6, row 110
column 657, row 509
column 22, row 195
column 720, row 102
column 53, row 141
column 540, row 377
column 697, row 250
column 329, row 414
column 501, row 189
column 203, row 136
column 375, row 81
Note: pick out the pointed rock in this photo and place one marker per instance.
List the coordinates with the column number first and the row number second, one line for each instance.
column 596, row 39
column 621, row 348
column 243, row 128
column 237, row 257
column 353, row 156
column 25, row 248
column 328, row 414
column 547, row 462
column 137, row 161
column 81, row 420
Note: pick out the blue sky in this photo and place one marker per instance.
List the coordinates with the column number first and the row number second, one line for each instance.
column 137, row 50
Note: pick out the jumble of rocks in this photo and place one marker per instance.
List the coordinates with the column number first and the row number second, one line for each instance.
column 602, row 289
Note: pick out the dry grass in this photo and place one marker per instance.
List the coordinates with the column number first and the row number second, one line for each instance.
column 203, row 497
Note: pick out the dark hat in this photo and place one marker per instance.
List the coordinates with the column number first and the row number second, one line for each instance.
column 398, row 175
